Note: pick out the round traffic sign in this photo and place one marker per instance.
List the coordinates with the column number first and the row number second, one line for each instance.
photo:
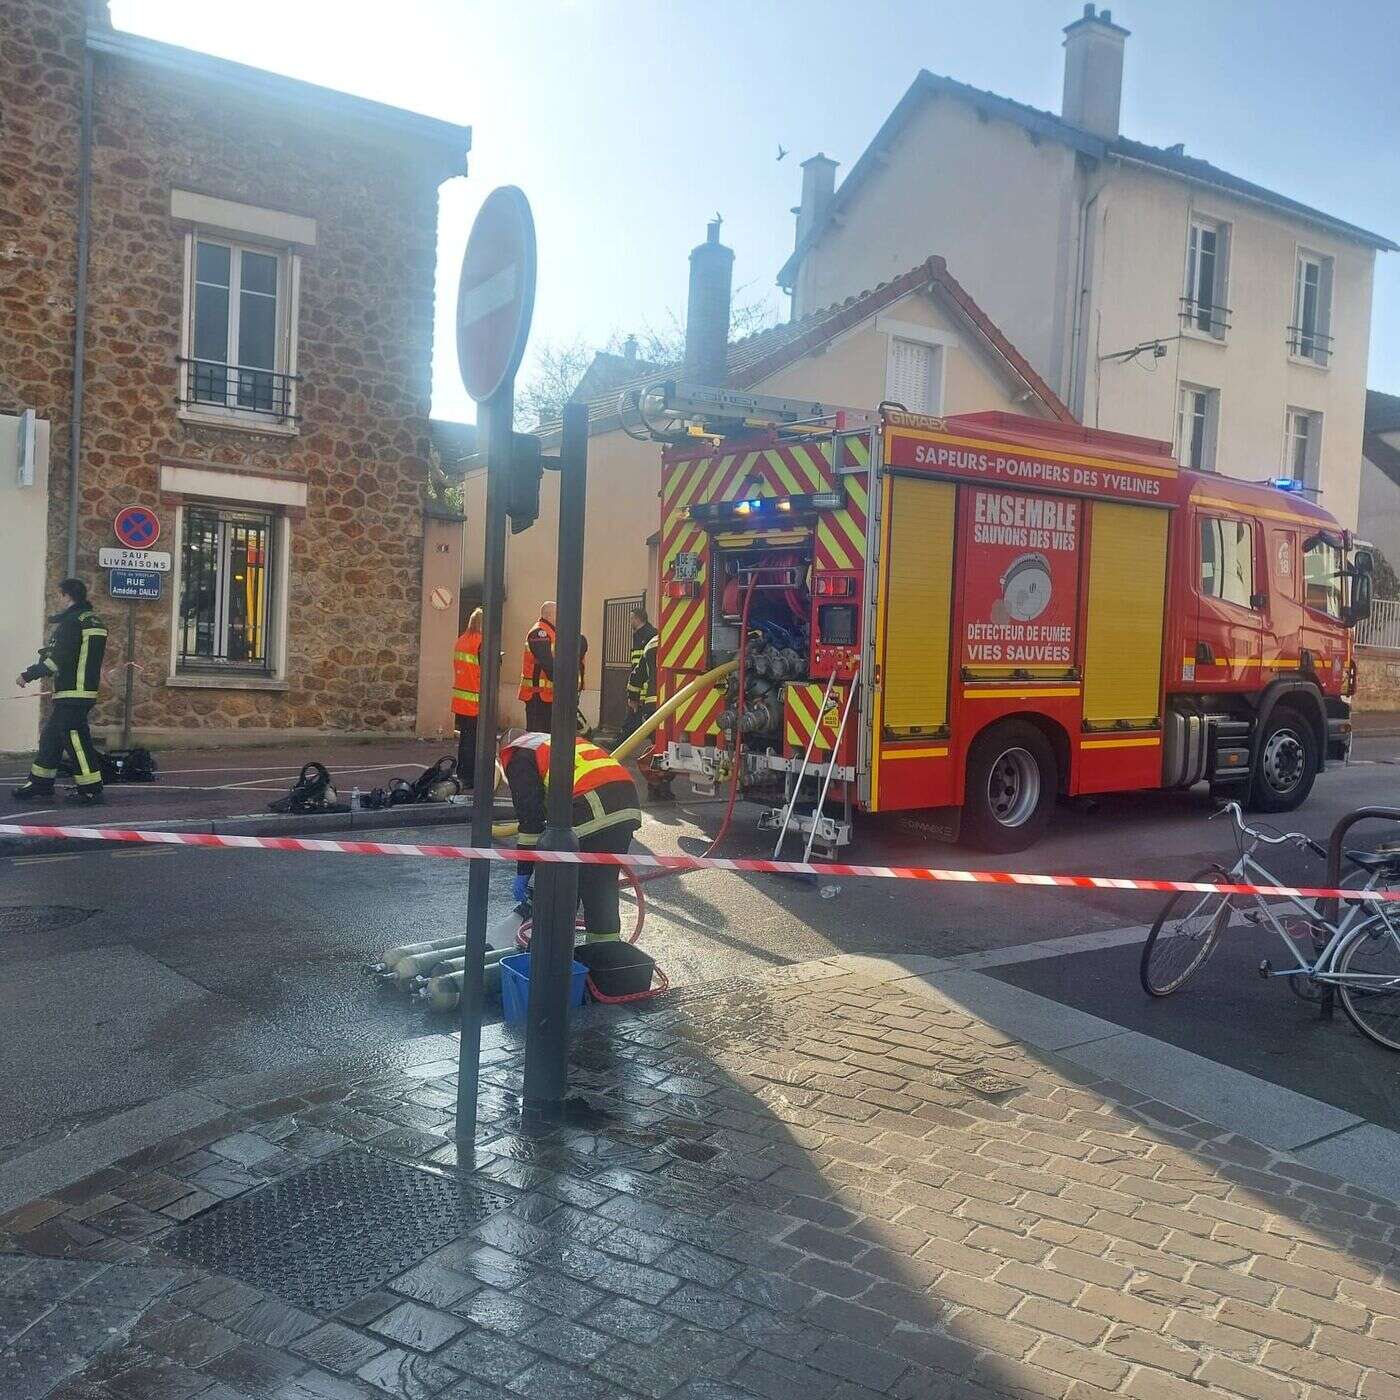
column 496, row 295
column 136, row 527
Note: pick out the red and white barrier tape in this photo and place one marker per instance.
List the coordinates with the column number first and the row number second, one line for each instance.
column 639, row 861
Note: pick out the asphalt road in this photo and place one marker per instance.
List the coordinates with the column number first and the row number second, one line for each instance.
column 131, row 974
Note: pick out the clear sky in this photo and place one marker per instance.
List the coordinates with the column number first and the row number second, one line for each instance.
column 630, row 122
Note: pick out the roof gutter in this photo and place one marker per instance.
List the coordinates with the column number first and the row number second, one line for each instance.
column 1317, row 219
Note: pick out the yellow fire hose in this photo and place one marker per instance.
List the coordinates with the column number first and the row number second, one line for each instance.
column 502, row 830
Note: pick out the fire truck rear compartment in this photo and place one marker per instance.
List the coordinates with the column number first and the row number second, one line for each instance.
column 779, row 610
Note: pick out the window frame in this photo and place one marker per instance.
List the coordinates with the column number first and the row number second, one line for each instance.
column 1205, row 519
column 1217, row 311
column 229, row 414
column 1311, row 472
column 1319, row 337
column 1334, row 544
column 1210, row 426
column 939, row 344
column 218, row 675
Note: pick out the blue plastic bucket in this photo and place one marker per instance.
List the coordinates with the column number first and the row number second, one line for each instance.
column 515, row 986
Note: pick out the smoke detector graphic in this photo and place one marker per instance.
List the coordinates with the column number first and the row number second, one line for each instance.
column 1025, row 587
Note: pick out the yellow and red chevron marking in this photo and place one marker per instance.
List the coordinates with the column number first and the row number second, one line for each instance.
column 841, row 533
column 698, row 719
column 802, row 711
column 682, row 644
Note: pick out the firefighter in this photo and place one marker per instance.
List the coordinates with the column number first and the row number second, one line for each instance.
column 537, row 672
column 605, row 818
column 466, row 695
column 641, row 678
column 73, row 657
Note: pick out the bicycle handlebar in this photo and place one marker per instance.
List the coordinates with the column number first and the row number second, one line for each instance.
column 1300, row 838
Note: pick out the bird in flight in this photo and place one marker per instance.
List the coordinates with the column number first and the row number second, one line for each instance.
column 782, row 150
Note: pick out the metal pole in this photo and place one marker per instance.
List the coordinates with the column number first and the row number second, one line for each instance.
column 494, row 433
column 556, row 886
column 130, row 673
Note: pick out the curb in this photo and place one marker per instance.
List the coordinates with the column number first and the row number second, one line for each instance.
column 301, row 824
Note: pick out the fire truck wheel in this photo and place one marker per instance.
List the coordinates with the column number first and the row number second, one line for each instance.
column 1011, row 784
column 1286, row 763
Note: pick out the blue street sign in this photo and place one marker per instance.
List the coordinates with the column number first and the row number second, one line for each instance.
column 142, row 584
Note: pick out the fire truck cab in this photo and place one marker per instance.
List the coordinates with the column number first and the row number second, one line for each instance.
column 980, row 613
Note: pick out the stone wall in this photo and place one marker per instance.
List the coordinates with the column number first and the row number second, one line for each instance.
column 364, row 355
column 1377, row 680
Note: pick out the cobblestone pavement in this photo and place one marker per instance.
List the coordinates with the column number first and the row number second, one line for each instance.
column 828, row 1184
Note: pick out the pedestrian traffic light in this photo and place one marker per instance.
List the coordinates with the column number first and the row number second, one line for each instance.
column 523, row 481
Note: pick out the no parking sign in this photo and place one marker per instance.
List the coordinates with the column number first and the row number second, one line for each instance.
column 137, row 527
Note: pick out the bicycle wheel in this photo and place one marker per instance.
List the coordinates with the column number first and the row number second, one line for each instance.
column 1184, row 936
column 1368, row 980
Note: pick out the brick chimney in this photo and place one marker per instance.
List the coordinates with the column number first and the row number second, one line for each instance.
column 707, row 310
column 1093, row 96
column 818, row 189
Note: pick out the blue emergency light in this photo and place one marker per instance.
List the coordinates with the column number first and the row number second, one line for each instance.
column 1286, row 483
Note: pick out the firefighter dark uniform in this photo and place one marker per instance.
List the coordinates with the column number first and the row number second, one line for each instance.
column 73, row 657
column 641, row 679
column 605, row 818
column 537, row 676
column 466, row 700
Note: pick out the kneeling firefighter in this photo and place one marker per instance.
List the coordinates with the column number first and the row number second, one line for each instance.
column 605, row 818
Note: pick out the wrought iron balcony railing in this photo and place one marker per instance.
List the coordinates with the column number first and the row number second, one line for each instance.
column 1205, row 316
column 237, row 388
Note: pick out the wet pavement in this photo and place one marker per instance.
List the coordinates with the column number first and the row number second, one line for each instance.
column 829, row 1182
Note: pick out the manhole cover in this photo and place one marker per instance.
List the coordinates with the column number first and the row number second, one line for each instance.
column 40, row 918
column 335, row 1232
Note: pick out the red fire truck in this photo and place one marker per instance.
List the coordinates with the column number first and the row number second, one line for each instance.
column 983, row 612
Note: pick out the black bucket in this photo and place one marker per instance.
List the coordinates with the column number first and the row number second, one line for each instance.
column 615, row 968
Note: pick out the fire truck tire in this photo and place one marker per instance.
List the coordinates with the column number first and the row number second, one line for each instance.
column 1011, row 786
column 1286, row 763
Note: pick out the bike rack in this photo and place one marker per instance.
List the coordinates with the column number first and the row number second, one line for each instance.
column 1331, row 907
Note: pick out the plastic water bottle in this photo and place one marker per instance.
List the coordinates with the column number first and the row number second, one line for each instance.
column 355, row 800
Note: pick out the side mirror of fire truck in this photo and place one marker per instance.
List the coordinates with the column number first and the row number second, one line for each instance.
column 1362, row 587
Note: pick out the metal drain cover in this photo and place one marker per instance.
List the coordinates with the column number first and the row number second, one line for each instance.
column 334, row 1232
column 40, row 918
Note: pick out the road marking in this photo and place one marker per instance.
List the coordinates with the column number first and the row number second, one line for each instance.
column 35, row 860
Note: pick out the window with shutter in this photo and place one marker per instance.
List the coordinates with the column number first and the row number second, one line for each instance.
column 913, row 378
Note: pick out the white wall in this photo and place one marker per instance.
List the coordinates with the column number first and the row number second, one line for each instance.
column 998, row 206
column 23, row 562
column 1138, row 267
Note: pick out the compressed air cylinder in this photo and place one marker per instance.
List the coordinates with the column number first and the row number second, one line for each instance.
column 391, row 959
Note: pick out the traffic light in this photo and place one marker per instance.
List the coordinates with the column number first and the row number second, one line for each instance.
column 523, row 481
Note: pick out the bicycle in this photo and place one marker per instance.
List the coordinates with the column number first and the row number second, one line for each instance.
column 1359, row 954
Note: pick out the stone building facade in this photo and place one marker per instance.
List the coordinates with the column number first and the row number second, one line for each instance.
column 257, row 353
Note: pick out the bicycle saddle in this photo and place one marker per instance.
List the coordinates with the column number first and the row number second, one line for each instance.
column 1387, row 862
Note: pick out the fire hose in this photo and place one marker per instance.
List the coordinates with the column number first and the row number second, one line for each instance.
column 433, row 971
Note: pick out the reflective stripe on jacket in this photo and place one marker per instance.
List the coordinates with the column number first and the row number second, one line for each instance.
column 641, row 678
column 536, row 677
column 604, row 794
column 466, row 675
column 73, row 656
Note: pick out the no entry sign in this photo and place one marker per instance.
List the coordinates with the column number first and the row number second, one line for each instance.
column 496, row 295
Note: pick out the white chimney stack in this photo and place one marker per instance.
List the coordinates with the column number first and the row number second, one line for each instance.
column 818, row 189
column 1093, row 97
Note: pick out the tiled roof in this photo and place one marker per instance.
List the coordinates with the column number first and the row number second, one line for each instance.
column 1382, row 412
column 756, row 357
column 1046, row 124
column 453, row 441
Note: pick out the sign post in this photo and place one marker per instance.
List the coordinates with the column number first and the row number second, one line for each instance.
column 495, row 302
column 556, row 886
column 133, row 573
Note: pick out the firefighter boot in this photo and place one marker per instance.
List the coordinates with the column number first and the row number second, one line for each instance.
column 33, row 790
